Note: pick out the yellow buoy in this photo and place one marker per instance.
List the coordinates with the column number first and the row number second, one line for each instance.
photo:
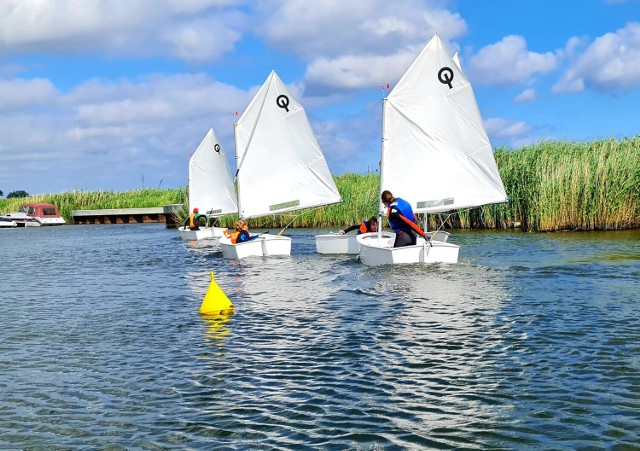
column 215, row 301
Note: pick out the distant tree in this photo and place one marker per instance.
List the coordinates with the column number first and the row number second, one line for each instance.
column 17, row 194
column 1, row 193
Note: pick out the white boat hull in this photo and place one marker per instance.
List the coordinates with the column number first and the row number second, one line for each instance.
column 23, row 220
column 337, row 244
column 376, row 252
column 201, row 234
column 265, row 246
column 334, row 243
column 7, row 223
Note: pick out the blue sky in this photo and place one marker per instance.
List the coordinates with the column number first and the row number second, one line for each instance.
column 111, row 94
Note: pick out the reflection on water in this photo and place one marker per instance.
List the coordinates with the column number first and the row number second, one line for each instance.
column 529, row 342
column 217, row 328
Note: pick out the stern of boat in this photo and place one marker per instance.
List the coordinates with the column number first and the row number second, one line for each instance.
column 334, row 243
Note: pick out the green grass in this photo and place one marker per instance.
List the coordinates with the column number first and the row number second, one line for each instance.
column 552, row 186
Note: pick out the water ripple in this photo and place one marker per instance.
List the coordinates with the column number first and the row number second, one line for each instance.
column 530, row 342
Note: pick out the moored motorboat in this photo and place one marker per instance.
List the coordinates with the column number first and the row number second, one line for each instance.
column 35, row 214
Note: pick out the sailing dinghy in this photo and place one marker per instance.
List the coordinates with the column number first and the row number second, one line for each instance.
column 338, row 244
column 280, row 167
column 436, row 154
column 211, row 187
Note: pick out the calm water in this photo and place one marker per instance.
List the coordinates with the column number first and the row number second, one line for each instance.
column 531, row 342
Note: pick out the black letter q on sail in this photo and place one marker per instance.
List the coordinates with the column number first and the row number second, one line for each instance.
column 283, row 102
column 217, row 148
column 445, row 76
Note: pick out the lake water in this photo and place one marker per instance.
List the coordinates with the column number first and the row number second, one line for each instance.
column 532, row 341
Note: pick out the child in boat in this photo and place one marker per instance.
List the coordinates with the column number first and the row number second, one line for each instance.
column 368, row 225
column 401, row 219
column 193, row 221
column 242, row 232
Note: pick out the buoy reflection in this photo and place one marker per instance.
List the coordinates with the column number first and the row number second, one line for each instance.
column 217, row 328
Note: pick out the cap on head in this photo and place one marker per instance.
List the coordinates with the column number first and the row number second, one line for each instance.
column 195, row 210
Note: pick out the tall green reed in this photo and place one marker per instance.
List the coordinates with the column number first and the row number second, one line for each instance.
column 551, row 185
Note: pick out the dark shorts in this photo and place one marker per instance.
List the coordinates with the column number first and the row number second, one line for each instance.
column 405, row 238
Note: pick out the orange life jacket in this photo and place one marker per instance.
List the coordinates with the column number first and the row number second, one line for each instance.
column 363, row 227
column 192, row 222
column 232, row 236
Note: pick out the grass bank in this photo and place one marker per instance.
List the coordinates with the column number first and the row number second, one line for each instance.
column 552, row 186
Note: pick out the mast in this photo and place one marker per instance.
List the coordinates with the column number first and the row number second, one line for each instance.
column 235, row 141
column 380, row 206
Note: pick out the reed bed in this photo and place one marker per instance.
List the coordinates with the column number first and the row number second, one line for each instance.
column 551, row 185
column 359, row 193
column 570, row 186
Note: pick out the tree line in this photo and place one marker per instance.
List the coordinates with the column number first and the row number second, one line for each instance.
column 15, row 194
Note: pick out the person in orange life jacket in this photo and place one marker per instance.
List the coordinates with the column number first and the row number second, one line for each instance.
column 242, row 232
column 370, row 225
column 193, row 221
column 405, row 235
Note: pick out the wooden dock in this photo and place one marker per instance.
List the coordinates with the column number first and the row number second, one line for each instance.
column 166, row 214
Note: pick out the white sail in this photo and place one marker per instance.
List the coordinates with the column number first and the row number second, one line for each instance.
column 456, row 59
column 211, row 187
column 435, row 151
column 280, row 164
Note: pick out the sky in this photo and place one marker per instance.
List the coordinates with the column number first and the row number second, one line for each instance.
column 116, row 95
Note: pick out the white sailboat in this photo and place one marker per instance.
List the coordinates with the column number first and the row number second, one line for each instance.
column 335, row 243
column 211, row 187
column 280, row 167
column 436, row 154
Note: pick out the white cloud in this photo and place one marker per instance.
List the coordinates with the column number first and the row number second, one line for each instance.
column 201, row 40
column 355, row 44
column 509, row 62
column 18, row 93
column 334, row 28
column 104, row 133
column 356, row 72
column 610, row 63
column 568, row 84
column 120, row 28
column 528, row 95
column 505, row 128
